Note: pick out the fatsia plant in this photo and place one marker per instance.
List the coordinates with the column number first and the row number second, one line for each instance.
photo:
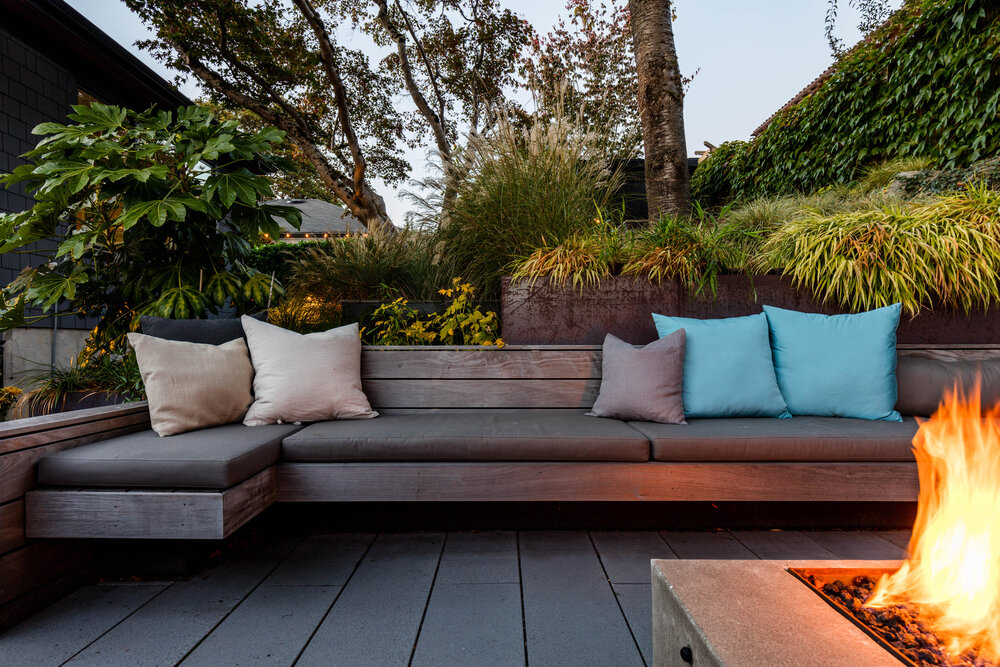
column 152, row 213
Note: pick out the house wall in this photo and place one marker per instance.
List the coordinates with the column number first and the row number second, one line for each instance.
column 33, row 90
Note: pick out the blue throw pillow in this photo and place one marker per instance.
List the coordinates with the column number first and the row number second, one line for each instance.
column 728, row 370
column 836, row 365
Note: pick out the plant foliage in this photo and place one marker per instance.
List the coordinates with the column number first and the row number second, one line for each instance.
column 922, row 254
column 461, row 323
column 516, row 189
column 152, row 213
column 373, row 266
column 926, row 83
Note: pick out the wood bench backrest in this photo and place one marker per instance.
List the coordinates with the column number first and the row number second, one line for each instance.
column 518, row 376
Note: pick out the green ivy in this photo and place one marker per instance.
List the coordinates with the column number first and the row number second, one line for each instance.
column 927, row 83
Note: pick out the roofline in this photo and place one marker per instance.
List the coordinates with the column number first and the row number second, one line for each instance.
column 101, row 66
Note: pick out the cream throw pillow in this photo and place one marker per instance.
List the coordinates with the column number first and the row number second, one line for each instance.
column 305, row 378
column 193, row 385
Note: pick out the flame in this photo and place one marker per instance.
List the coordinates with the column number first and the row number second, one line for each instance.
column 952, row 576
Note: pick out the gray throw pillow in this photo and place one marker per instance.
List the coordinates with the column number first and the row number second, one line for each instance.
column 921, row 382
column 642, row 383
column 208, row 332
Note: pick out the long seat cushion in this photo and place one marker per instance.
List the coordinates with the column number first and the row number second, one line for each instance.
column 211, row 458
column 480, row 436
column 792, row 440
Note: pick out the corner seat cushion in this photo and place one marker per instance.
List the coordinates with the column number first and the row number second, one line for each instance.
column 480, row 436
column 792, row 440
column 210, row 458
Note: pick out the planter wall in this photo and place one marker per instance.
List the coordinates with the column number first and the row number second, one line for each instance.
column 543, row 314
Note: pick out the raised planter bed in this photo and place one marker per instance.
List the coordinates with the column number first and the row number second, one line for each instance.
column 543, row 314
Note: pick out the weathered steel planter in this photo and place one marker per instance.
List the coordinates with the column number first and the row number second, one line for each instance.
column 543, row 314
column 76, row 400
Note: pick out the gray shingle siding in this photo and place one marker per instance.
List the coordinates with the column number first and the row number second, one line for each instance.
column 33, row 90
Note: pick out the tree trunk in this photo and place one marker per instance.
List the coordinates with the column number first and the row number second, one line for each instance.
column 661, row 108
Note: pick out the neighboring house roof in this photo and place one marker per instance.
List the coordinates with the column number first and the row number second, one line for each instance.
column 320, row 217
column 102, row 67
column 818, row 82
column 813, row 86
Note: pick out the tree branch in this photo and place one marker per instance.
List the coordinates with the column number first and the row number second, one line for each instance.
column 334, row 179
column 432, row 76
column 437, row 126
column 339, row 91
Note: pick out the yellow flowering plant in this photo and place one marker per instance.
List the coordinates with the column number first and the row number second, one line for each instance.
column 461, row 323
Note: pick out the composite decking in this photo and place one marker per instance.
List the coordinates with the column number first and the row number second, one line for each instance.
column 422, row 598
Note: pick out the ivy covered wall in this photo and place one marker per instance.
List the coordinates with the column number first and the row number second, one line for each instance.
column 925, row 84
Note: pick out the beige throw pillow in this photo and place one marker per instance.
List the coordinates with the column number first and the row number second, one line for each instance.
column 305, row 378
column 193, row 385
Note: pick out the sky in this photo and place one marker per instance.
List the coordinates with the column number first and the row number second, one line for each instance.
column 751, row 58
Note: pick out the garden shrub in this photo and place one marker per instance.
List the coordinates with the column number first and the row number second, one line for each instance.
column 923, row 254
column 514, row 189
column 927, row 83
column 373, row 266
column 938, row 181
column 461, row 323
column 279, row 258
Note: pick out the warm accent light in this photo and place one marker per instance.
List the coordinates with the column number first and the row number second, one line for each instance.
column 288, row 236
column 307, row 236
column 953, row 573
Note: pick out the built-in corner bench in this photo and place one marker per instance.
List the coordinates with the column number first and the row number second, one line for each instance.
column 457, row 424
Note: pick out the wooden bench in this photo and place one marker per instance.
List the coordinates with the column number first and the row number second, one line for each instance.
column 420, row 379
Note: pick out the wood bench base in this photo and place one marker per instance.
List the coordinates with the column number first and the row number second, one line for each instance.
column 147, row 513
column 214, row 515
column 577, row 481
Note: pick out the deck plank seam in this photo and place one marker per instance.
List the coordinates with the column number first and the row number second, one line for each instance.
column 236, row 606
column 333, row 602
column 119, row 622
column 614, row 594
column 520, row 588
column 427, row 601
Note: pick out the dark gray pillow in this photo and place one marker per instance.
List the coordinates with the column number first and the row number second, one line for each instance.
column 642, row 382
column 210, row 332
column 921, row 383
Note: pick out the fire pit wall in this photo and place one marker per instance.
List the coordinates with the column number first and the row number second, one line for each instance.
column 542, row 314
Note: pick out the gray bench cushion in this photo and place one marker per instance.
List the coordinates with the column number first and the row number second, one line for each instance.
column 482, row 436
column 211, row 458
column 796, row 439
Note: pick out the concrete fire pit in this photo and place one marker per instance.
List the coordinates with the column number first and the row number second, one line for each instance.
column 753, row 612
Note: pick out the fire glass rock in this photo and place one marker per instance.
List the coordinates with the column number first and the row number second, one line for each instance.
column 898, row 625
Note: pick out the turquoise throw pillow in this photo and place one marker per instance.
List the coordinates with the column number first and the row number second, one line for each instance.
column 728, row 370
column 836, row 365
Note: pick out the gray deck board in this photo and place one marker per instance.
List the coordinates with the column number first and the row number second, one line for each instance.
column 321, row 560
column 67, row 627
column 479, row 558
column 410, row 598
column 472, row 624
column 714, row 544
column 636, row 601
column 270, row 627
column 626, row 555
column 474, row 614
column 901, row 538
column 571, row 615
column 859, row 544
column 163, row 631
column 769, row 545
column 376, row 619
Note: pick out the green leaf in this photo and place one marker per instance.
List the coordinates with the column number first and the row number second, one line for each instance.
column 11, row 315
column 180, row 303
column 239, row 184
